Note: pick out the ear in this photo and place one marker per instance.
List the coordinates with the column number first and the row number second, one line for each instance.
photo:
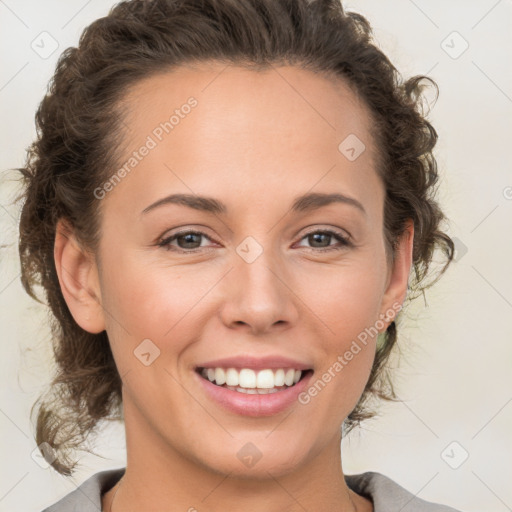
column 78, row 277
column 398, row 276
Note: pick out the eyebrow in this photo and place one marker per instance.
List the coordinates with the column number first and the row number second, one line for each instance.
column 305, row 203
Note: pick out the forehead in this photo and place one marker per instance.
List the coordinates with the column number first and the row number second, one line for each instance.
column 282, row 127
column 235, row 92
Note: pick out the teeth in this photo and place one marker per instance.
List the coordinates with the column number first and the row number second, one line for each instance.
column 247, row 378
column 279, row 378
column 220, row 376
column 265, row 379
column 288, row 377
column 250, row 391
column 251, row 382
column 231, row 377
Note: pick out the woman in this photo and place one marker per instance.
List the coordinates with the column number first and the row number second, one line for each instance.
column 224, row 205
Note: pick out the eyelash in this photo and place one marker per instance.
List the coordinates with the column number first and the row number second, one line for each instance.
column 344, row 241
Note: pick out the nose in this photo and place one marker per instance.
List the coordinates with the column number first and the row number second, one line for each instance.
column 259, row 296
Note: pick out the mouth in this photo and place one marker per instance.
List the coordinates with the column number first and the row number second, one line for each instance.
column 253, row 382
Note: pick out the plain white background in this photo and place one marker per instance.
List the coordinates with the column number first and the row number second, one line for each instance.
column 455, row 368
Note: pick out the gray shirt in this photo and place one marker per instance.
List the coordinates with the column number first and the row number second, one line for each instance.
column 386, row 495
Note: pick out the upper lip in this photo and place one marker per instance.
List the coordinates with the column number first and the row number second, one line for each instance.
column 255, row 363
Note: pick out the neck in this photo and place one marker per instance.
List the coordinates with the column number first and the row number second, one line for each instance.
column 158, row 477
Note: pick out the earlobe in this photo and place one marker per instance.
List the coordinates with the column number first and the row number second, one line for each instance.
column 78, row 279
column 396, row 290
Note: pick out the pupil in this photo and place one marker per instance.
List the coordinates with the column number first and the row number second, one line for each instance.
column 316, row 235
column 188, row 240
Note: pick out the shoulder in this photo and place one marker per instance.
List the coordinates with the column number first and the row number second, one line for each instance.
column 388, row 496
column 87, row 497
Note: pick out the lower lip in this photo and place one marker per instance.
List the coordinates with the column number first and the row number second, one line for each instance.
column 254, row 405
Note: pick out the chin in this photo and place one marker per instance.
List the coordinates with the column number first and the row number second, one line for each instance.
column 253, row 459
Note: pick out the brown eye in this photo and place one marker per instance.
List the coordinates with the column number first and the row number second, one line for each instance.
column 321, row 240
column 186, row 241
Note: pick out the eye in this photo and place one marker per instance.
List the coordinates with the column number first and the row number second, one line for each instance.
column 190, row 241
column 187, row 241
column 322, row 236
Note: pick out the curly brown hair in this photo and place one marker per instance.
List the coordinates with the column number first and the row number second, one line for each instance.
column 78, row 139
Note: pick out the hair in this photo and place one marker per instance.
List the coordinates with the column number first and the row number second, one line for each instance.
column 78, row 136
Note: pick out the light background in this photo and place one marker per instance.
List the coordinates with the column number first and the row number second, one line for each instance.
column 455, row 374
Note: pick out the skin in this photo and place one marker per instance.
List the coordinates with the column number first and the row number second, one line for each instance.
column 255, row 141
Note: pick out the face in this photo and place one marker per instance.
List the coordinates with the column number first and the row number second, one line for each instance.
column 255, row 278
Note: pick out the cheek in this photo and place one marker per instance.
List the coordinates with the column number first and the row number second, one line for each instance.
column 347, row 301
column 346, row 298
column 148, row 302
column 348, row 308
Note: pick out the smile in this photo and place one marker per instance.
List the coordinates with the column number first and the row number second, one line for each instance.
column 246, row 380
